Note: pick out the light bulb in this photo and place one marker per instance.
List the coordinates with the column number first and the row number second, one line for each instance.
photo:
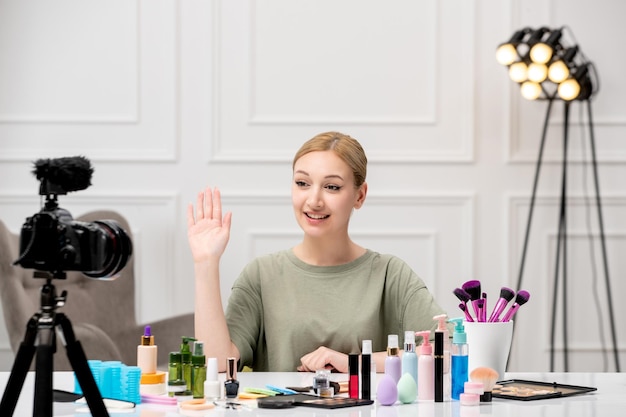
column 537, row 72
column 569, row 89
column 518, row 72
column 506, row 54
column 530, row 90
column 541, row 53
column 558, row 71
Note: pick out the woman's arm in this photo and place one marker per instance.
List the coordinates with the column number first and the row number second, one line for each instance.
column 208, row 234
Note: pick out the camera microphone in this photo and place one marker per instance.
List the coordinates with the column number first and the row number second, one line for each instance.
column 62, row 175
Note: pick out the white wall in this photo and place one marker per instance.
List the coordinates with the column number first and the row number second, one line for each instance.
column 166, row 97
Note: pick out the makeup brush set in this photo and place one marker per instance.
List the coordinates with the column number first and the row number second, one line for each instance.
column 474, row 302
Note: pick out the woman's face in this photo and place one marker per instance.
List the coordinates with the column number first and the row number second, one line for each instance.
column 323, row 193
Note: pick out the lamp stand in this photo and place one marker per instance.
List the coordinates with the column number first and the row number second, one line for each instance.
column 561, row 251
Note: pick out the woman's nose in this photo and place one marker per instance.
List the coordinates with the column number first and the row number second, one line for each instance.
column 314, row 199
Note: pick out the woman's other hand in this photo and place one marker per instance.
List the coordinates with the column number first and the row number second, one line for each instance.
column 324, row 358
column 208, row 232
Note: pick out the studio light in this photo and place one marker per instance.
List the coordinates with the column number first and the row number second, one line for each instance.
column 542, row 57
column 546, row 67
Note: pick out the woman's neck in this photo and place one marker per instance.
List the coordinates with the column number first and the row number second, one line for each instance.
column 327, row 253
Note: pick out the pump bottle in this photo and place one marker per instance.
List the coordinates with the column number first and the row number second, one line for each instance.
column 460, row 352
column 185, row 359
column 393, row 364
column 425, row 369
column 409, row 357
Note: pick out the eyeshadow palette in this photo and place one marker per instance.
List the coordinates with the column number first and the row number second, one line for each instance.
column 519, row 389
column 307, row 400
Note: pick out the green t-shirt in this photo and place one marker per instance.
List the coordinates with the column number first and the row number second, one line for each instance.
column 281, row 308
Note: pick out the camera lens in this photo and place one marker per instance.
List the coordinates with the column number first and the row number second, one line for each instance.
column 117, row 250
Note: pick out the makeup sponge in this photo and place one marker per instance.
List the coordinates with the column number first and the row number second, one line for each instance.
column 387, row 392
column 407, row 389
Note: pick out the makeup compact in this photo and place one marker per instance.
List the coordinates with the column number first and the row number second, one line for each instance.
column 518, row 389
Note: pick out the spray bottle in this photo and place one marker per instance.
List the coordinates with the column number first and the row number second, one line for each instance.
column 425, row 369
column 409, row 357
column 393, row 364
column 198, row 370
column 460, row 352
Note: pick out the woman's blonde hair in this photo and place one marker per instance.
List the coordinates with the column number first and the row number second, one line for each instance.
column 346, row 147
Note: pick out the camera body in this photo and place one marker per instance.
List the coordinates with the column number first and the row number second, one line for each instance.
column 53, row 241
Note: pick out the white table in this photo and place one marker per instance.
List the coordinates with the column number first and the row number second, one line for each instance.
column 609, row 400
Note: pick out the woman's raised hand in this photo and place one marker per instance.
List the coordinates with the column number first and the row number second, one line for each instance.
column 208, row 232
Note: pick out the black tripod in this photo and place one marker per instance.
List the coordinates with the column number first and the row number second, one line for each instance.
column 40, row 339
column 562, row 235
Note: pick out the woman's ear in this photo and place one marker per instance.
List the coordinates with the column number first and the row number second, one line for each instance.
column 361, row 194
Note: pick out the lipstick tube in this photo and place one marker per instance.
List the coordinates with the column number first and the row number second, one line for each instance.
column 353, row 382
column 439, row 363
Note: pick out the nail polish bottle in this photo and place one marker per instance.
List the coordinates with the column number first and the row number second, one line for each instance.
column 231, row 385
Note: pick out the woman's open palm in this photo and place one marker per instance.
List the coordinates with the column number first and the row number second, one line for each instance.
column 208, row 232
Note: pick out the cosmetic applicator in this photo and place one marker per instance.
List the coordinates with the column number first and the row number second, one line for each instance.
column 488, row 378
column 521, row 298
column 464, row 297
column 472, row 287
column 506, row 295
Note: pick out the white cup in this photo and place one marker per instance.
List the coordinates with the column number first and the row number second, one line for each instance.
column 489, row 345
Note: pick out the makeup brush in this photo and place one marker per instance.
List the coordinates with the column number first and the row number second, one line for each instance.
column 468, row 316
column 472, row 287
column 464, row 297
column 506, row 295
column 488, row 377
column 521, row 298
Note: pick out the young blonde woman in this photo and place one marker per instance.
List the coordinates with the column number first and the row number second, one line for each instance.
column 305, row 308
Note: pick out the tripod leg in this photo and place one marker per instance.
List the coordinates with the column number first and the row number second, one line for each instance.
column 42, row 406
column 23, row 359
column 78, row 360
column 602, row 238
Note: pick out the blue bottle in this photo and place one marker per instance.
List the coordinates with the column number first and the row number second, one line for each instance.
column 459, row 354
column 409, row 357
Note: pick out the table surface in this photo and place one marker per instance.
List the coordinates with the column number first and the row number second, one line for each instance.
column 609, row 399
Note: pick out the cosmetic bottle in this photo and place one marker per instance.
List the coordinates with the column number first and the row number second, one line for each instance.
column 212, row 389
column 353, row 370
column 409, row 357
column 442, row 320
column 231, row 385
column 368, row 370
column 425, row 369
column 393, row 364
column 438, row 366
column 198, row 370
column 175, row 382
column 147, row 353
column 185, row 359
column 460, row 352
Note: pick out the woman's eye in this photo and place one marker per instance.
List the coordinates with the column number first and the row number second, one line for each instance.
column 301, row 183
column 333, row 187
